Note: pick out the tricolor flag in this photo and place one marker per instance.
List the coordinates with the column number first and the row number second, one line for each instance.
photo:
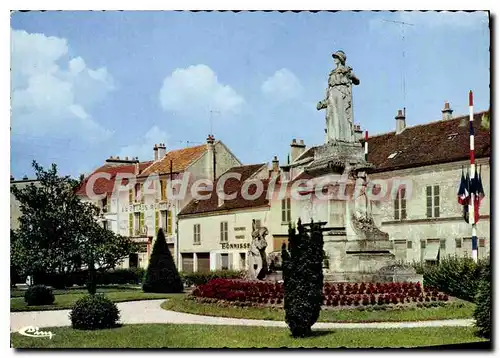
column 464, row 195
column 478, row 191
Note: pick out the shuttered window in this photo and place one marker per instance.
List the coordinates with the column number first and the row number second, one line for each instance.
column 458, row 243
column 131, row 196
column 433, row 201
column 285, row 210
column 169, row 222
column 163, row 189
column 223, row 231
column 157, row 221
column 196, row 233
column 131, row 224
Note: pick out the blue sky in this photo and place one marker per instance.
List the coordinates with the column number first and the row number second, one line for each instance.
column 87, row 85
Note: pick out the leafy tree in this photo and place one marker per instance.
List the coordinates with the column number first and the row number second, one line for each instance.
column 162, row 275
column 58, row 232
column 303, row 278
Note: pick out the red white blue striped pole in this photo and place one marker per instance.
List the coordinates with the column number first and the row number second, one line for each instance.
column 366, row 145
column 472, row 217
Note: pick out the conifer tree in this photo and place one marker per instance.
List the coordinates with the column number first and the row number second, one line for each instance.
column 162, row 275
column 303, row 278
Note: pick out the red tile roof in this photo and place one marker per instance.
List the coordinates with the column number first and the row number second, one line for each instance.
column 181, row 159
column 103, row 185
column 432, row 143
column 231, row 185
column 426, row 144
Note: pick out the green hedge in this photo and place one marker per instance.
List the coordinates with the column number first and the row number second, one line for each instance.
column 457, row 276
column 79, row 278
column 200, row 278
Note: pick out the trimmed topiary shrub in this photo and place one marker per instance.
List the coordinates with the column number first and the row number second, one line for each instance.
column 38, row 295
column 162, row 275
column 94, row 312
column 482, row 312
column 303, row 278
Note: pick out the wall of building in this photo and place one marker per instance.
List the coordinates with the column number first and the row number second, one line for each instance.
column 239, row 235
column 450, row 224
column 15, row 210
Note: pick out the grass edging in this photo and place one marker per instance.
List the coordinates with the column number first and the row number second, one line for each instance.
column 64, row 302
column 457, row 310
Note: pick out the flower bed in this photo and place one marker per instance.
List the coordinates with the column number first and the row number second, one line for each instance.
column 334, row 294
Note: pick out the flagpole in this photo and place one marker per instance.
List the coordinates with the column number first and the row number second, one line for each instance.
column 472, row 217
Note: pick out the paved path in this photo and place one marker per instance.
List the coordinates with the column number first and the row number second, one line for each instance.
column 151, row 312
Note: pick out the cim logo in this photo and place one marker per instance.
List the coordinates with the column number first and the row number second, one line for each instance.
column 31, row 331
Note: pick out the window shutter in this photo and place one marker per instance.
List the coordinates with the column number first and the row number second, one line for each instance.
column 288, row 210
column 162, row 189
column 142, row 193
column 131, row 196
column 131, row 224
column 230, row 261
column 108, row 203
column 157, row 220
column 169, row 222
column 141, row 221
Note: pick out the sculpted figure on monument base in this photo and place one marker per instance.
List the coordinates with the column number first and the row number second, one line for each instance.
column 338, row 101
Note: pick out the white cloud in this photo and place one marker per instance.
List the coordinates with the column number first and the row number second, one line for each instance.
column 196, row 88
column 283, row 85
column 51, row 96
column 143, row 148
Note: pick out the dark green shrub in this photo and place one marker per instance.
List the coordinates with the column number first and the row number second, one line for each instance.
column 94, row 312
column 201, row 278
column 456, row 276
column 162, row 275
column 38, row 295
column 482, row 312
column 303, row 278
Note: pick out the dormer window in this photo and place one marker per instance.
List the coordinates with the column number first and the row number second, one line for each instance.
column 393, row 155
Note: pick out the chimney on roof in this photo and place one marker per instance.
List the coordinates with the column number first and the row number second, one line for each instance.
column 447, row 111
column 400, row 121
column 155, row 150
column 12, row 178
column 276, row 164
column 25, row 177
column 211, row 164
column 296, row 149
column 358, row 133
column 162, row 150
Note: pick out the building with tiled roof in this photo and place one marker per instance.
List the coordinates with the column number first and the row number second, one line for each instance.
column 154, row 195
column 215, row 233
column 425, row 222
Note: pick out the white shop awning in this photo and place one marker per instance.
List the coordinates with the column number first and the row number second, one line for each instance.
column 431, row 251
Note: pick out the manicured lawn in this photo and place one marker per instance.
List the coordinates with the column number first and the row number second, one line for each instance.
column 451, row 311
column 65, row 301
column 205, row 336
column 16, row 292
